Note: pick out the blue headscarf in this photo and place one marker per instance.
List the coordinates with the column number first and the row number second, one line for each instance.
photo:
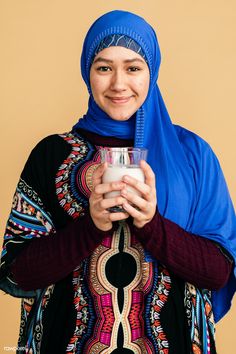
column 191, row 188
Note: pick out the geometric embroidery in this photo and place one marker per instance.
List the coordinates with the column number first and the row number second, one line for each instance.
column 68, row 198
column 100, row 316
column 27, row 219
column 31, row 327
column 81, row 306
column 114, row 316
column 200, row 319
column 159, row 298
column 74, row 177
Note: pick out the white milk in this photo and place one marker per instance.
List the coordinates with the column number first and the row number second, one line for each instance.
column 115, row 174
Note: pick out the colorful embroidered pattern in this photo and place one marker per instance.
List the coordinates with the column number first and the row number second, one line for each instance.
column 72, row 202
column 111, row 317
column 85, row 173
column 81, row 306
column 32, row 328
column 200, row 319
column 159, row 299
column 114, row 315
column 27, row 219
column 118, row 292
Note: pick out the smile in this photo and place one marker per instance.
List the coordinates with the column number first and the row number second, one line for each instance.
column 119, row 100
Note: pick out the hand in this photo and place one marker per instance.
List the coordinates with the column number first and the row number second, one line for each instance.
column 98, row 206
column 146, row 204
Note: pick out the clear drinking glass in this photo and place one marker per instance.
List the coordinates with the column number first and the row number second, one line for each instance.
column 122, row 161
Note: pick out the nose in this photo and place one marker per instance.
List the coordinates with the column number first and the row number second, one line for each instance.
column 118, row 81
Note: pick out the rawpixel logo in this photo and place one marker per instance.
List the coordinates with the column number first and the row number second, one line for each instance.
column 13, row 349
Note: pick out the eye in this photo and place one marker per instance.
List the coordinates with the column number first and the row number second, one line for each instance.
column 133, row 68
column 103, row 68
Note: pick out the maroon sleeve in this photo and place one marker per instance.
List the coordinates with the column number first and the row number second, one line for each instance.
column 193, row 258
column 46, row 260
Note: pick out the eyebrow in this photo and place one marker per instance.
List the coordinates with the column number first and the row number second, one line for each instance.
column 104, row 60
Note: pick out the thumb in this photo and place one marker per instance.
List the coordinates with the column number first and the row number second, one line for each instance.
column 97, row 174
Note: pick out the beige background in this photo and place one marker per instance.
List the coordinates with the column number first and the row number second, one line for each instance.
column 42, row 91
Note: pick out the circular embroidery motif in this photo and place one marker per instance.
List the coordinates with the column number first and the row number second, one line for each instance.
column 74, row 177
column 84, row 175
column 66, row 189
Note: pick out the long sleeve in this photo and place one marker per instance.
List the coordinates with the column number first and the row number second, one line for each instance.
column 40, row 228
column 191, row 257
column 46, row 260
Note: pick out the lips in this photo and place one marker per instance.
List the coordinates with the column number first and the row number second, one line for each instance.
column 119, row 100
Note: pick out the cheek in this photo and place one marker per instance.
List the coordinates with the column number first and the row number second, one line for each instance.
column 97, row 87
column 142, row 87
column 142, row 83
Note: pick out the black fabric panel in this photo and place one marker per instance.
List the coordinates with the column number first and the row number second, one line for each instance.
column 59, row 319
column 40, row 172
column 173, row 319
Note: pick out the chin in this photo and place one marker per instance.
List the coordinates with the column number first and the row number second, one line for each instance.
column 119, row 116
column 120, row 119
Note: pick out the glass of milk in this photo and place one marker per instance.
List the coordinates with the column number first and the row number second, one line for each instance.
column 122, row 161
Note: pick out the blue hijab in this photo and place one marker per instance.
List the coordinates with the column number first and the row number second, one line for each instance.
column 191, row 188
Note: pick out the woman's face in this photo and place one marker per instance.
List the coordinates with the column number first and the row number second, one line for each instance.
column 119, row 80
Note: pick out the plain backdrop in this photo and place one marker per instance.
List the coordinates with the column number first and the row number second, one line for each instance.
column 41, row 90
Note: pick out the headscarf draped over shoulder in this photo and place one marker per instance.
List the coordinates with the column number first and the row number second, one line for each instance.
column 191, row 188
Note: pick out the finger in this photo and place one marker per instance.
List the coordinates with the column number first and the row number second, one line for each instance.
column 97, row 175
column 118, row 216
column 148, row 173
column 136, row 214
column 135, row 199
column 143, row 188
column 111, row 202
column 103, row 188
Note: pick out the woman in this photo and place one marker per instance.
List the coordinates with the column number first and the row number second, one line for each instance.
column 152, row 279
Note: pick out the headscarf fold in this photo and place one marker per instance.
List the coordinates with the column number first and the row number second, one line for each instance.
column 191, row 188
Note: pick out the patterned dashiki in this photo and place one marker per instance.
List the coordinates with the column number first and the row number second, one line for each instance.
column 118, row 300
